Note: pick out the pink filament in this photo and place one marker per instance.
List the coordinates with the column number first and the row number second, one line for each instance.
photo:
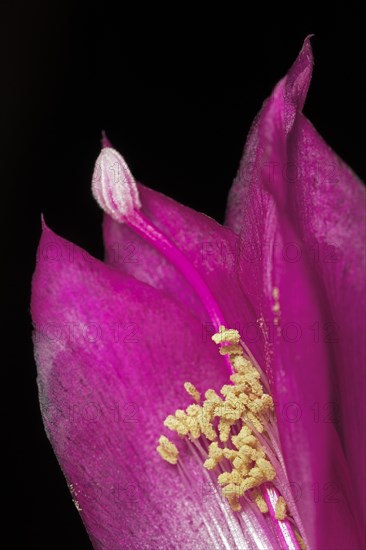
column 283, row 527
column 139, row 223
column 148, row 231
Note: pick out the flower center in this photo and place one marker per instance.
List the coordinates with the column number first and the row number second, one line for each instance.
column 232, row 434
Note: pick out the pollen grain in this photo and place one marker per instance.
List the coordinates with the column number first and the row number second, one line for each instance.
column 230, row 422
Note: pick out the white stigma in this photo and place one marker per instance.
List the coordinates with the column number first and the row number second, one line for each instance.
column 114, row 187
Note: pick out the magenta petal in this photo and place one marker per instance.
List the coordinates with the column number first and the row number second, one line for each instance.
column 112, row 355
column 300, row 213
column 212, row 249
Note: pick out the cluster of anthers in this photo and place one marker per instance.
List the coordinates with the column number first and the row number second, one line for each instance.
column 235, row 419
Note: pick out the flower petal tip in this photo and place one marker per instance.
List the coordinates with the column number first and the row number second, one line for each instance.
column 45, row 228
column 297, row 81
column 43, row 222
column 105, row 142
column 114, row 187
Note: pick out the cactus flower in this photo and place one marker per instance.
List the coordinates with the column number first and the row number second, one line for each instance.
column 203, row 387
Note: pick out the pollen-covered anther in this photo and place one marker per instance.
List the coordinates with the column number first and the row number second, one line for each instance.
column 230, row 454
column 235, row 418
column 248, row 453
column 212, row 405
column 241, row 466
column 267, row 471
column 216, row 454
column 250, row 417
column 244, row 437
column 199, row 422
column 267, row 402
column 260, row 501
column 176, row 425
column 231, row 350
column 234, row 503
column 167, row 450
column 212, row 397
column 192, row 391
column 230, row 477
column 233, row 491
column 193, row 425
column 229, row 336
column 280, row 509
column 241, row 364
column 208, row 431
column 224, row 429
column 300, row 541
column 232, row 410
column 228, row 390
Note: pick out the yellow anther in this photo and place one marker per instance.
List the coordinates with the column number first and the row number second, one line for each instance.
column 232, row 492
column 167, row 450
column 210, row 464
column 175, row 425
column 248, row 483
column 267, row 402
column 241, row 466
column 256, row 423
column 266, row 469
column 212, row 405
column 256, row 387
column 180, row 415
column 234, row 503
column 208, row 431
column 227, row 390
column 242, row 407
column 224, row 429
column 241, row 364
column 230, row 336
column 192, row 391
column 224, row 478
column 300, row 541
column 244, row 437
column 260, row 501
column 280, row 509
column 212, row 397
column 235, row 401
column 215, row 451
column 230, row 477
column 255, row 406
column 194, row 411
column 230, row 454
column 216, row 455
column 194, row 427
column 247, row 453
column 249, row 378
column 231, row 489
column 238, row 379
column 231, row 411
column 198, row 421
column 231, row 349
column 257, row 474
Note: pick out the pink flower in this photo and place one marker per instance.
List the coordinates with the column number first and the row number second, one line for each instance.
column 115, row 342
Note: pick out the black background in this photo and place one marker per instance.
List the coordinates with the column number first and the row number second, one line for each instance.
column 178, row 106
